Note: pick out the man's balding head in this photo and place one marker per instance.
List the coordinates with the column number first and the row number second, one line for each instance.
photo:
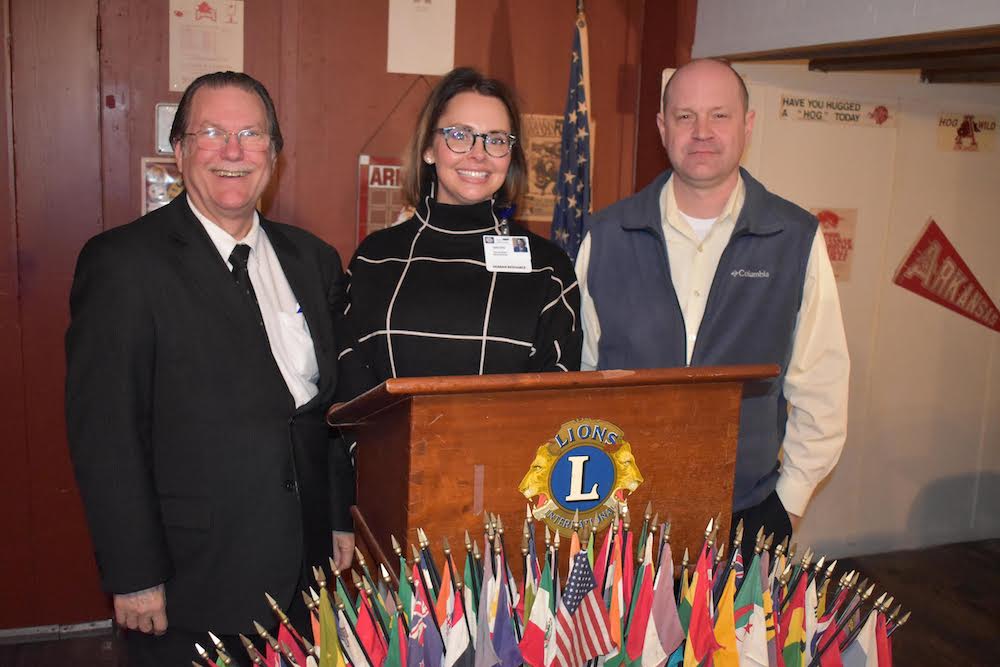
column 709, row 63
column 705, row 125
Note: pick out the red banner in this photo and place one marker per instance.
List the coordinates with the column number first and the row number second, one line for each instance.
column 935, row 271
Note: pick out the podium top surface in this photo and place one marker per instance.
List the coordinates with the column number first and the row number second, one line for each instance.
column 395, row 389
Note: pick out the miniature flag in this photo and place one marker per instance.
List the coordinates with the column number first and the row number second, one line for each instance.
column 370, row 633
column 349, row 607
column 863, row 651
column 504, row 640
column 485, row 655
column 792, row 632
column 725, row 626
column 445, row 601
column 639, row 620
column 750, row 622
column 664, row 629
column 812, row 602
column 329, row 646
column 601, row 561
column 883, row 644
column 398, row 643
column 352, row 649
column 628, row 572
column 616, row 608
column 701, row 642
column 458, row 650
column 424, row 646
column 405, row 592
column 285, row 637
column 824, row 627
column 581, row 628
column 469, row 596
column 538, row 629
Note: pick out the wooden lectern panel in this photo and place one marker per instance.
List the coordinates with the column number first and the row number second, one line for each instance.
column 435, row 453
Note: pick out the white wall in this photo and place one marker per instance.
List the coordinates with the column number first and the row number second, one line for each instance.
column 922, row 461
column 743, row 26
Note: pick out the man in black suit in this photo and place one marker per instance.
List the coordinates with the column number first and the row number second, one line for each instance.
column 201, row 358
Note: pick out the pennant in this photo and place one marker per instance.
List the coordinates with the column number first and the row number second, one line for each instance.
column 935, row 271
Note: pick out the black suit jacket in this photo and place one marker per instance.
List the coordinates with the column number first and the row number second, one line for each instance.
column 194, row 465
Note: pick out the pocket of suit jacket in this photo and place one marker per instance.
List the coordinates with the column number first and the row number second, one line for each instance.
column 187, row 522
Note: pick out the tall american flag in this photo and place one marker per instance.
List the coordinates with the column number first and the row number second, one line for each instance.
column 582, row 621
column 573, row 181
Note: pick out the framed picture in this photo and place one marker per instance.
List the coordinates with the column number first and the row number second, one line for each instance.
column 380, row 195
column 161, row 182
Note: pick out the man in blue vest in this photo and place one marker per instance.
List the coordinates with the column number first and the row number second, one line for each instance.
column 705, row 267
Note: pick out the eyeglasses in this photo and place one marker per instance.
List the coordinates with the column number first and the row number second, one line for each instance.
column 462, row 139
column 214, row 139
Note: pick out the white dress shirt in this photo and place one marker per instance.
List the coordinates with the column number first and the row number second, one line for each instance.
column 287, row 331
column 816, row 380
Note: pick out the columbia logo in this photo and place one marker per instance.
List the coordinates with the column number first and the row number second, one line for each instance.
column 743, row 273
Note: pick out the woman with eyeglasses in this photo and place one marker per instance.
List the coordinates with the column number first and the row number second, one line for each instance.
column 445, row 293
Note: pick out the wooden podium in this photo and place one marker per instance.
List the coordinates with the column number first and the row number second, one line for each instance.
column 436, row 452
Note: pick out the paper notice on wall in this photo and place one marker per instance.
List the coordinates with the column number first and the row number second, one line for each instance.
column 934, row 270
column 840, row 111
column 421, row 36
column 839, row 227
column 966, row 132
column 205, row 36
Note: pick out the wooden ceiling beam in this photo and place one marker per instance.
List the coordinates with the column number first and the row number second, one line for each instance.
column 960, row 76
column 968, row 39
column 981, row 59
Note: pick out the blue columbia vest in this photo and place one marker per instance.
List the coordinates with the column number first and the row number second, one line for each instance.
column 749, row 318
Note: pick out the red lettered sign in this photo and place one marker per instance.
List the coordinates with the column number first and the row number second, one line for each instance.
column 935, row 271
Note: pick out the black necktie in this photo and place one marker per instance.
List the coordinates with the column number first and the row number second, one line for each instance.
column 241, row 276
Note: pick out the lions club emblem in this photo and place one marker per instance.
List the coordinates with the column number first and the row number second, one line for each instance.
column 588, row 468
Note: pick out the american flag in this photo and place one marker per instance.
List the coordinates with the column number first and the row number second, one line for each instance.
column 573, row 180
column 582, row 621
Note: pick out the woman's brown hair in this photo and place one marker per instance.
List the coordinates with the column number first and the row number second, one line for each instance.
column 418, row 175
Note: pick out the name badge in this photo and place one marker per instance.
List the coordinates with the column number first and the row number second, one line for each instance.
column 507, row 254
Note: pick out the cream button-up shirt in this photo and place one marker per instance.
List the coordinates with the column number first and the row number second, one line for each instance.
column 816, row 380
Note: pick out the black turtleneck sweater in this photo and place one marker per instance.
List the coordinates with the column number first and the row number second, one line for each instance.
column 421, row 302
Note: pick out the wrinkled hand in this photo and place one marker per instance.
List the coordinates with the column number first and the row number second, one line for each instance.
column 145, row 611
column 343, row 550
column 795, row 520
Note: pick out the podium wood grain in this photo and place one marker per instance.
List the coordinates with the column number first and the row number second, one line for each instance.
column 436, row 453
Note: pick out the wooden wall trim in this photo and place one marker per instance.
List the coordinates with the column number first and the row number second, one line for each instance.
column 16, row 577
